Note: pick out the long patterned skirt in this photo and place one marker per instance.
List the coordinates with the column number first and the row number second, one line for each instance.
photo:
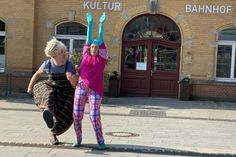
column 57, row 97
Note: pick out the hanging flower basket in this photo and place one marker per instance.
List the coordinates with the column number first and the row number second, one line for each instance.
column 185, row 80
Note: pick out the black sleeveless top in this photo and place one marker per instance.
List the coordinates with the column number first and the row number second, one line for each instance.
column 58, row 79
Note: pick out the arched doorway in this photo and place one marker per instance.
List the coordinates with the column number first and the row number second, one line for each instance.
column 150, row 57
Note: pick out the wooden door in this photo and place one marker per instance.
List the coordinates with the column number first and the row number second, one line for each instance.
column 150, row 68
column 150, row 57
column 135, row 80
column 164, row 69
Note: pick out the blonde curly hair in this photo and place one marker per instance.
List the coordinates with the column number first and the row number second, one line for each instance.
column 53, row 47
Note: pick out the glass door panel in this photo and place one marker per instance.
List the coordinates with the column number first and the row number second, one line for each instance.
column 136, row 57
column 164, row 58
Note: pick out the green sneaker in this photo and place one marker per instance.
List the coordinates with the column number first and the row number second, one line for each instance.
column 76, row 144
column 101, row 146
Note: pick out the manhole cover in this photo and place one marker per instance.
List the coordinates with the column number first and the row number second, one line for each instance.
column 148, row 113
column 122, row 134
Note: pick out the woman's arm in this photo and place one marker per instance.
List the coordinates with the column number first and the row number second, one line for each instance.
column 72, row 78
column 101, row 29
column 71, row 74
column 34, row 79
column 89, row 28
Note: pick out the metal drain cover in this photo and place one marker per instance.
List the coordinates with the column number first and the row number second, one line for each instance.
column 122, row 134
column 148, row 113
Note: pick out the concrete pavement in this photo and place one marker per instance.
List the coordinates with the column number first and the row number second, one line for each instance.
column 132, row 127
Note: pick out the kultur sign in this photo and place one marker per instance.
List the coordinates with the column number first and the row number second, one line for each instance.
column 105, row 5
column 209, row 9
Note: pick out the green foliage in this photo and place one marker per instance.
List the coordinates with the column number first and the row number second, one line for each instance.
column 109, row 61
column 76, row 57
column 114, row 76
column 106, row 75
column 185, row 80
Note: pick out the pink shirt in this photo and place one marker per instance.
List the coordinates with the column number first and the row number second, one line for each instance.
column 92, row 68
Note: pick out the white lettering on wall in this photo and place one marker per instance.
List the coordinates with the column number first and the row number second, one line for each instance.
column 111, row 6
column 209, row 9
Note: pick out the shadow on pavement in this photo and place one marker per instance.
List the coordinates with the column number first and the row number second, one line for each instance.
column 154, row 150
column 166, row 103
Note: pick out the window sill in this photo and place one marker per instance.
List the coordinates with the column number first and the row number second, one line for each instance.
column 2, row 70
column 215, row 82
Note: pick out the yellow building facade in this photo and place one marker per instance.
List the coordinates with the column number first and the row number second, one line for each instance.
column 153, row 44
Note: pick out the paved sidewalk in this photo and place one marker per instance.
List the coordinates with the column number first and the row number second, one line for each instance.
column 132, row 127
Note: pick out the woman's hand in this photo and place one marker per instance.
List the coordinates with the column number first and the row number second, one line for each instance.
column 68, row 76
column 77, row 69
column 103, row 18
column 72, row 78
column 34, row 79
column 30, row 90
column 89, row 18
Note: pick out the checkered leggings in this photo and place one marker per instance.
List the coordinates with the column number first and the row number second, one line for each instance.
column 82, row 94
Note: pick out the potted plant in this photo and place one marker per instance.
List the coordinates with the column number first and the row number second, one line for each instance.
column 184, row 85
column 113, row 84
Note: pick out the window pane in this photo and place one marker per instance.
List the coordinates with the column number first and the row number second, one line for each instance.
column 78, row 45
column 228, row 34
column 66, row 42
column 136, row 57
column 2, row 26
column 164, row 58
column 152, row 26
column 224, row 61
column 2, row 60
column 235, row 65
column 2, row 45
column 2, row 56
column 71, row 28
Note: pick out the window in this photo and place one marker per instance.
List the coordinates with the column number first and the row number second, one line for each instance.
column 226, row 57
column 73, row 35
column 2, row 47
column 148, row 27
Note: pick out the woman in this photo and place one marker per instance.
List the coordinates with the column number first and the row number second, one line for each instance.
column 55, row 95
column 90, row 85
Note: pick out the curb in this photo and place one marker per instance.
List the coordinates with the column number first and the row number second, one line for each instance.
column 119, row 148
